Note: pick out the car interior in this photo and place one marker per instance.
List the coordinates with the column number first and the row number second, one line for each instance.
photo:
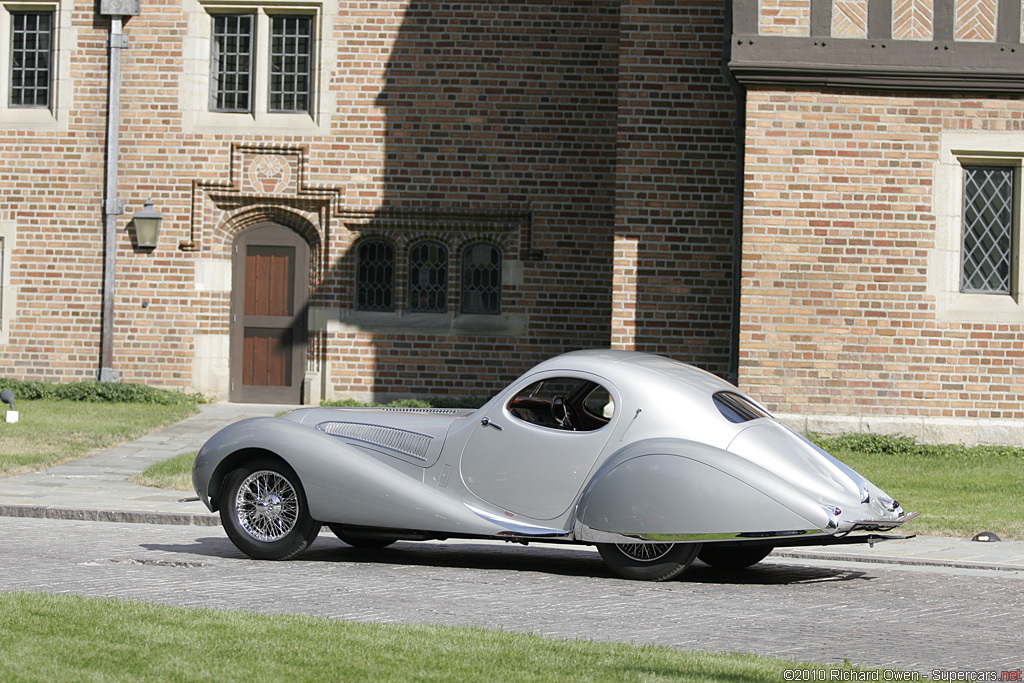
column 565, row 403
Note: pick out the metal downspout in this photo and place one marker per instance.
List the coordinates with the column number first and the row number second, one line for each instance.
column 740, row 132
column 112, row 206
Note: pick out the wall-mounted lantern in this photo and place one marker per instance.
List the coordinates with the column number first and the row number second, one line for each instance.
column 147, row 225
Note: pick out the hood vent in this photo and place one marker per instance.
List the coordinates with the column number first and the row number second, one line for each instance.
column 409, row 443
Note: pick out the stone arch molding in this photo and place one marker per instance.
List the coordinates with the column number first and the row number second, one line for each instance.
column 265, row 184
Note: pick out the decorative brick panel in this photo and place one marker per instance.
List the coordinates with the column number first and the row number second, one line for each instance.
column 785, row 17
column 975, row 20
column 849, row 18
column 912, row 19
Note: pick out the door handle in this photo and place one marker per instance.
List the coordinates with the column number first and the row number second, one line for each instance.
column 486, row 422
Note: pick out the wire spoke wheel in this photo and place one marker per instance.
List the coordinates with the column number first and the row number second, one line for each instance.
column 264, row 510
column 645, row 552
column 267, row 506
column 648, row 561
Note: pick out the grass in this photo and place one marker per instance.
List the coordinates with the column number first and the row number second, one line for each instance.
column 56, row 637
column 958, row 490
column 50, row 432
column 174, row 473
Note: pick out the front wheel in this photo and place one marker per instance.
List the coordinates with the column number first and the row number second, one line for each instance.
column 264, row 511
column 648, row 561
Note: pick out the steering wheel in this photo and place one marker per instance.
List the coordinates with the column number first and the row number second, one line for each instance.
column 564, row 414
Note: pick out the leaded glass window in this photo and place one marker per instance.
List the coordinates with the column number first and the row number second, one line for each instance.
column 481, row 279
column 988, row 215
column 428, row 278
column 375, row 276
column 291, row 59
column 31, row 59
column 231, row 63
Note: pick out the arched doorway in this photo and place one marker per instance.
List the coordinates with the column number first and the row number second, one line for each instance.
column 269, row 298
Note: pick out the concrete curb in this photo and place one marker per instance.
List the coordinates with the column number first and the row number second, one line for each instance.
column 122, row 516
column 891, row 559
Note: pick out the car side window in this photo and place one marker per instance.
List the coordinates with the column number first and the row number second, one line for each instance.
column 564, row 403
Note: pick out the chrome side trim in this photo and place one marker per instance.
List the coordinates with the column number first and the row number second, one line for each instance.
column 401, row 440
column 515, row 528
column 434, row 411
column 583, row 532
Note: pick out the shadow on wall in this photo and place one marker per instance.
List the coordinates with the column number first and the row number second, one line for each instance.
column 490, row 249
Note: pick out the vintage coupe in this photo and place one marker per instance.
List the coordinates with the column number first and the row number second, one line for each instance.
column 653, row 461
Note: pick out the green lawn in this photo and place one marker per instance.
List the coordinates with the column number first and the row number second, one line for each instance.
column 49, row 432
column 959, row 491
column 174, row 473
column 67, row 638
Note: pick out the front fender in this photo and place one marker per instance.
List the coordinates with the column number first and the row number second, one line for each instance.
column 342, row 483
column 677, row 490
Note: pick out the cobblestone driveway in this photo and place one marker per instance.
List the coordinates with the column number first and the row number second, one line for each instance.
column 874, row 615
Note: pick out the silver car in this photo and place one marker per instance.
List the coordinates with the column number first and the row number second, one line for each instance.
column 653, row 461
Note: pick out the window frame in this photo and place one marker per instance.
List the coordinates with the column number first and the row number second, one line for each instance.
column 414, row 289
column 391, row 286
column 63, row 38
column 464, row 281
column 215, row 92
column 1012, row 252
column 51, row 39
column 196, row 93
column 945, row 259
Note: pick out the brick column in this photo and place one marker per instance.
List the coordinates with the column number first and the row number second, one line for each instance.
column 624, row 291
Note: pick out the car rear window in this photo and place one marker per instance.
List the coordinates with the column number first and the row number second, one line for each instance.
column 737, row 408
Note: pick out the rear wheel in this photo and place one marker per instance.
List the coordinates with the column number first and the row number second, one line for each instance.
column 736, row 557
column 648, row 561
column 264, row 511
column 357, row 540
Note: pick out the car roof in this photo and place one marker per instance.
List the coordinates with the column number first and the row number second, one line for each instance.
column 623, row 367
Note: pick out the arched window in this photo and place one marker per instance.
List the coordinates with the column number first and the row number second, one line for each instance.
column 375, row 276
column 481, row 279
column 428, row 278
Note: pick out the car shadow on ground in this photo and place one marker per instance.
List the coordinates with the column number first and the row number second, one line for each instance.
column 541, row 558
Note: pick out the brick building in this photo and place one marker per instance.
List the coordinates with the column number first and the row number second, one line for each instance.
column 421, row 197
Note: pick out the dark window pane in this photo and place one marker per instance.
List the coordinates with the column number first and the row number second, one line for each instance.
column 481, row 279
column 987, row 249
column 375, row 276
column 291, row 47
column 428, row 278
column 31, row 59
column 231, row 63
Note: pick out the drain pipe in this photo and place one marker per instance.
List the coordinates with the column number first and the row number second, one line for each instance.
column 740, row 133
column 112, row 206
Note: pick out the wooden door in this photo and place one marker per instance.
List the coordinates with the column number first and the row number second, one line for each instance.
column 270, row 290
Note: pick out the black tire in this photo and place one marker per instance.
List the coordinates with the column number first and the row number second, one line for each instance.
column 264, row 512
column 356, row 540
column 648, row 561
column 736, row 557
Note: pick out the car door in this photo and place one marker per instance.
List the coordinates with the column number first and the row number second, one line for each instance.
column 522, row 459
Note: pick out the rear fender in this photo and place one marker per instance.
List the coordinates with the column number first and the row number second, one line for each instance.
column 677, row 490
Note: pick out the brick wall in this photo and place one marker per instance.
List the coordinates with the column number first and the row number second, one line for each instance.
column 675, row 180
column 840, row 311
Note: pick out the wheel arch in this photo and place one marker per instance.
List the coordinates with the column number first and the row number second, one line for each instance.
column 233, row 461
